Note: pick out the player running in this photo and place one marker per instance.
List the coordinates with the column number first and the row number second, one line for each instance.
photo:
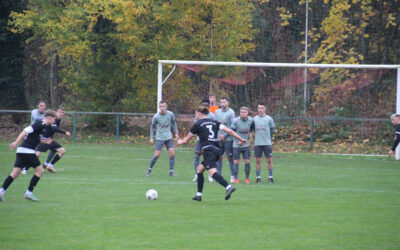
column 225, row 115
column 207, row 130
column 56, row 150
column 163, row 121
column 243, row 126
column 395, row 118
column 26, row 155
column 264, row 128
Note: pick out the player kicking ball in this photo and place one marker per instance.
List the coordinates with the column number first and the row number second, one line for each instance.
column 207, row 130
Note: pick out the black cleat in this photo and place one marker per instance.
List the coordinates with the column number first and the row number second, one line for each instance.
column 258, row 180
column 271, row 180
column 172, row 174
column 196, row 198
column 229, row 192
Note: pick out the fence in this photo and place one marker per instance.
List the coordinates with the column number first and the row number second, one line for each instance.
column 291, row 131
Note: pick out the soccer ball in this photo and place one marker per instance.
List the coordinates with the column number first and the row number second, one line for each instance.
column 151, row 194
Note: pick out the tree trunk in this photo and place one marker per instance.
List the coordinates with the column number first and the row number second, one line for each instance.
column 55, row 101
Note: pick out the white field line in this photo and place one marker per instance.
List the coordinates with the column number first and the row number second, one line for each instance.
column 367, row 155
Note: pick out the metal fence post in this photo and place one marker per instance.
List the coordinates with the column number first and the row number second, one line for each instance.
column 118, row 122
column 74, row 126
column 312, row 134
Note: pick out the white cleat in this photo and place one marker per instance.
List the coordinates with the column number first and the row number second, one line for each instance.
column 24, row 171
column 210, row 179
column 2, row 197
column 195, row 177
column 232, row 179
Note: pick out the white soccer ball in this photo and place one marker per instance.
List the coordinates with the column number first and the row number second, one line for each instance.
column 151, row 194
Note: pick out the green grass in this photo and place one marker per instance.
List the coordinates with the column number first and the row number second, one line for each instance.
column 97, row 200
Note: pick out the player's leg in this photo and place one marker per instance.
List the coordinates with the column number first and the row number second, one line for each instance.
column 229, row 154
column 258, row 156
column 34, row 180
column 18, row 166
column 268, row 154
column 196, row 162
column 171, row 150
column 219, row 161
column 236, row 160
column 200, row 182
column 246, row 158
column 60, row 152
column 158, row 146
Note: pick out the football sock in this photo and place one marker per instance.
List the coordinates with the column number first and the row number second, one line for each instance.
column 219, row 166
column 198, row 194
column 152, row 162
column 231, row 167
column 50, row 156
column 228, row 187
column 33, row 182
column 171, row 163
column 270, row 172
column 235, row 170
column 247, row 170
column 7, row 182
column 200, row 182
column 258, row 172
column 55, row 159
column 220, row 179
column 196, row 162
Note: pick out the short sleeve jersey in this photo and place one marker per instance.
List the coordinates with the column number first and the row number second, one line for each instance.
column 207, row 130
column 163, row 124
column 33, row 137
column 36, row 116
column 262, row 127
column 226, row 118
column 242, row 127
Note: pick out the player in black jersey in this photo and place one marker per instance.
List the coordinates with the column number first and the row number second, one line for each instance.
column 26, row 156
column 56, row 150
column 207, row 130
column 395, row 118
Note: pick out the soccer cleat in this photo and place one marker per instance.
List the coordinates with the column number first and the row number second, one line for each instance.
column 194, row 178
column 2, row 197
column 210, row 179
column 247, row 181
column 258, row 180
column 232, row 179
column 197, row 198
column 31, row 197
column 24, row 171
column 237, row 181
column 148, row 172
column 271, row 180
column 229, row 192
column 172, row 174
column 51, row 169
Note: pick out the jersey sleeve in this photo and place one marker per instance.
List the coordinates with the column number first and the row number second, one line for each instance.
column 195, row 129
column 271, row 123
column 153, row 124
column 174, row 125
column 29, row 129
column 233, row 125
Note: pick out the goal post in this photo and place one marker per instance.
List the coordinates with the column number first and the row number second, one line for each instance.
column 161, row 81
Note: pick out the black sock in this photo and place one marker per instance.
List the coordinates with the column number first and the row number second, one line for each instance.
column 50, row 156
column 33, row 183
column 56, row 158
column 200, row 182
column 220, row 179
column 7, row 182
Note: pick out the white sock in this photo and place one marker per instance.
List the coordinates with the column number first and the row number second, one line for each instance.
column 2, row 191
column 28, row 192
column 270, row 176
column 258, row 177
column 228, row 187
column 198, row 194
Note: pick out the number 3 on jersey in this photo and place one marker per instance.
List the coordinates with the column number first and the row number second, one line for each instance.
column 211, row 135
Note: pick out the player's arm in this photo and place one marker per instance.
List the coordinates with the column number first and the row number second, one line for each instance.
column 395, row 143
column 185, row 140
column 20, row 137
column 153, row 124
column 272, row 126
column 232, row 133
column 175, row 126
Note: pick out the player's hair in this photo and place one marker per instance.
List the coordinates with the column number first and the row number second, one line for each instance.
column 212, row 95
column 261, row 104
column 51, row 113
column 224, row 98
column 245, row 108
column 202, row 109
column 395, row 116
column 205, row 102
column 162, row 101
column 60, row 108
column 40, row 101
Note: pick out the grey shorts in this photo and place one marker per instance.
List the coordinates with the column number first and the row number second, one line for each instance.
column 258, row 150
column 168, row 144
column 245, row 152
column 226, row 146
column 197, row 147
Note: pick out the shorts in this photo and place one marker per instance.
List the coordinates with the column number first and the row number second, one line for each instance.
column 197, row 147
column 211, row 155
column 245, row 152
column 26, row 160
column 43, row 147
column 226, row 146
column 258, row 150
column 168, row 143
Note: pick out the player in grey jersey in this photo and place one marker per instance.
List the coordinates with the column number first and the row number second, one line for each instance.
column 163, row 122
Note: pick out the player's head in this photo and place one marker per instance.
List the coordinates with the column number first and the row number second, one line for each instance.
column 41, row 107
column 49, row 116
column 395, row 118
column 212, row 98
column 261, row 108
column 205, row 102
column 163, row 107
column 244, row 112
column 224, row 103
column 60, row 112
column 201, row 111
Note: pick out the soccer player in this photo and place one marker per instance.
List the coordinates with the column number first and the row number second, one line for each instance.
column 242, row 125
column 264, row 128
column 26, row 156
column 56, row 150
column 197, row 148
column 395, row 118
column 207, row 130
column 214, row 106
column 163, row 121
column 225, row 115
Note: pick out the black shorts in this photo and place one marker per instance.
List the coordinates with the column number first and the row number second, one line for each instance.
column 258, row 150
column 26, row 160
column 226, row 146
column 211, row 155
column 244, row 151
column 43, row 147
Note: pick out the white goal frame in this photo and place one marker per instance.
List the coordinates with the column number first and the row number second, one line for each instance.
column 160, row 80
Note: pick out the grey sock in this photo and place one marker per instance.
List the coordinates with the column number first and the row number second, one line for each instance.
column 231, row 167
column 247, row 170
column 196, row 162
column 270, row 172
column 152, row 162
column 258, row 172
column 235, row 170
column 171, row 163
column 219, row 167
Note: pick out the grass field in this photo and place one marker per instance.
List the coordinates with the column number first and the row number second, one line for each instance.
column 97, row 200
